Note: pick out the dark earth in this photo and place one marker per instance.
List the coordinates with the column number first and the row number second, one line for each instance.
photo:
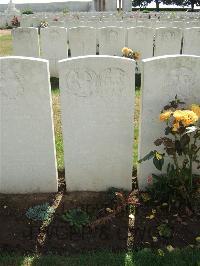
column 18, row 233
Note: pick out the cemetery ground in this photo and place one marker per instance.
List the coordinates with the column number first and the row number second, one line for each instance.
column 172, row 232
column 5, row 38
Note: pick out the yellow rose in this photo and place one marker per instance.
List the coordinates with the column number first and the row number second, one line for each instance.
column 165, row 115
column 136, row 55
column 130, row 51
column 186, row 117
column 189, row 118
column 196, row 109
column 178, row 115
column 125, row 51
column 176, row 126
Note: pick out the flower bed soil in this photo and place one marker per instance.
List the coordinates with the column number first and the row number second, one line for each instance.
column 5, row 32
column 18, row 233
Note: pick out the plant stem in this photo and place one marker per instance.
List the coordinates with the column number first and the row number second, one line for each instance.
column 176, row 162
column 175, row 158
column 197, row 150
column 191, row 159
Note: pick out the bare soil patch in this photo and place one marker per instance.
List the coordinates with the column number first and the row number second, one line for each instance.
column 5, row 32
column 20, row 234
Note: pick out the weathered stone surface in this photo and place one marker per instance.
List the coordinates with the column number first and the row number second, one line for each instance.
column 111, row 40
column 191, row 41
column 26, row 42
column 168, row 41
column 97, row 102
column 54, row 47
column 141, row 39
column 82, row 41
column 27, row 154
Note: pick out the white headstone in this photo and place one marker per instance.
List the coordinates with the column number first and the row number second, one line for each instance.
column 168, row 41
column 127, row 5
column 35, row 21
column 56, row 23
column 97, row 102
column 26, row 42
column 111, row 40
column 191, row 41
column 141, row 39
column 192, row 24
column 54, row 46
column 163, row 78
column 177, row 24
column 28, row 162
column 82, row 41
column 26, row 21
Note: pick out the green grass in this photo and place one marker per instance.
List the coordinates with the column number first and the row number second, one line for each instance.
column 57, row 123
column 136, row 127
column 135, row 146
column 5, row 45
column 145, row 257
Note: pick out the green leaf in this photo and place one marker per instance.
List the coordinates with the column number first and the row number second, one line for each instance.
column 168, row 167
column 178, row 147
column 164, row 230
column 147, row 157
column 158, row 163
column 167, row 130
column 156, row 177
column 185, row 140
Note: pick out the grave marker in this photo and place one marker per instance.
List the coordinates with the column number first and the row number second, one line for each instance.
column 28, row 162
column 97, row 103
column 162, row 79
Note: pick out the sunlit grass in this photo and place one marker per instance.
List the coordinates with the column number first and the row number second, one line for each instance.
column 58, row 128
column 145, row 257
column 5, row 45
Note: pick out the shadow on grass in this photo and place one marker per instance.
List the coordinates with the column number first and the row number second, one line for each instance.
column 137, row 81
column 54, row 84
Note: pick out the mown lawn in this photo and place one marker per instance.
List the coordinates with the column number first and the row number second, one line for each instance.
column 5, row 45
column 57, row 124
column 145, row 257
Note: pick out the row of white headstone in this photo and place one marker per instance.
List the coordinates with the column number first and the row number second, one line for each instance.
column 123, row 22
column 107, row 16
column 54, row 42
column 98, row 19
column 97, row 108
column 75, row 17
